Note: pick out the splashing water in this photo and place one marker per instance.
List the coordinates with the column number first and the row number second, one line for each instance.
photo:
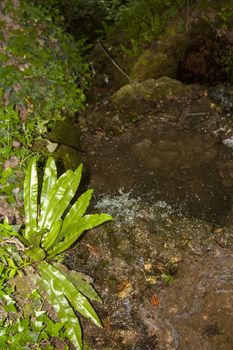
column 127, row 209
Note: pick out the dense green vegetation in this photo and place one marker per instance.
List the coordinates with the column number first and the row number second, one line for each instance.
column 43, row 77
column 142, row 21
column 30, row 269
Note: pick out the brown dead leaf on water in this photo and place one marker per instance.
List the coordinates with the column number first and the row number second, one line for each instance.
column 125, row 289
column 92, row 250
column 217, row 230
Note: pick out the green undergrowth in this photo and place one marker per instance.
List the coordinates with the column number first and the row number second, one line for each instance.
column 142, row 21
column 43, row 78
column 40, row 299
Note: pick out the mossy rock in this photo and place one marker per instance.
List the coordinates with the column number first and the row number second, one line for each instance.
column 67, row 158
column 142, row 98
column 66, row 133
column 164, row 59
column 154, row 65
column 131, row 96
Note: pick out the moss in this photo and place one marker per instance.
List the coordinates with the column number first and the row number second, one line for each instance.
column 153, row 65
column 141, row 98
column 147, row 90
column 65, row 132
column 164, row 59
column 67, row 158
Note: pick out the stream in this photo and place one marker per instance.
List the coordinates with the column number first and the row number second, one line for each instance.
column 191, row 172
column 164, row 266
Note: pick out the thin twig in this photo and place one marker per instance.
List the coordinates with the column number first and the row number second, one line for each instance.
column 114, row 61
column 187, row 15
column 196, row 114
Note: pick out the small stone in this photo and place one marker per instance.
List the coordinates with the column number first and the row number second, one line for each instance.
column 148, row 267
column 151, row 279
column 16, row 144
column 12, row 162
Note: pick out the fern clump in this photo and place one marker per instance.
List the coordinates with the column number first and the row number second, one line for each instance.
column 51, row 227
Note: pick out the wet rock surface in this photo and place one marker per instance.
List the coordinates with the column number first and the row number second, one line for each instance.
column 197, row 311
column 166, row 281
column 191, row 171
column 164, row 267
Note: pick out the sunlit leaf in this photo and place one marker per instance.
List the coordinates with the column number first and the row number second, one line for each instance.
column 76, row 212
column 49, row 179
column 68, row 194
column 60, row 284
column 54, row 196
column 62, row 307
column 36, row 254
column 79, row 281
column 84, row 223
column 50, row 237
column 30, row 198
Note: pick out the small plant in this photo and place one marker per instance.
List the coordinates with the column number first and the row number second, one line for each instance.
column 32, row 254
column 226, row 62
column 14, row 150
column 167, row 278
column 143, row 20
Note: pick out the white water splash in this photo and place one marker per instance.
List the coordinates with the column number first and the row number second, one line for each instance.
column 228, row 142
column 126, row 209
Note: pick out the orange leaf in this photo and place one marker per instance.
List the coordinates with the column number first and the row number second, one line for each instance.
column 154, row 300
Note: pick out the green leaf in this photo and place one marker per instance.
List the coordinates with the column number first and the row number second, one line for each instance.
column 36, row 254
column 35, row 238
column 68, row 194
column 61, row 285
column 50, row 237
column 84, row 223
column 55, row 195
column 53, row 328
column 62, row 307
column 9, row 303
column 49, row 179
column 76, row 212
column 30, row 198
column 79, row 281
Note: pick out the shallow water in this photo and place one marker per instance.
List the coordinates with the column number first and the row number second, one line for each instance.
column 191, row 172
column 146, row 178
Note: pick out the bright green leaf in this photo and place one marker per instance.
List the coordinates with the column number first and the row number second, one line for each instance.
column 30, row 198
column 84, row 223
column 62, row 285
column 68, row 194
column 54, row 197
column 62, row 307
column 79, row 281
column 76, row 212
column 50, row 237
column 49, row 179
